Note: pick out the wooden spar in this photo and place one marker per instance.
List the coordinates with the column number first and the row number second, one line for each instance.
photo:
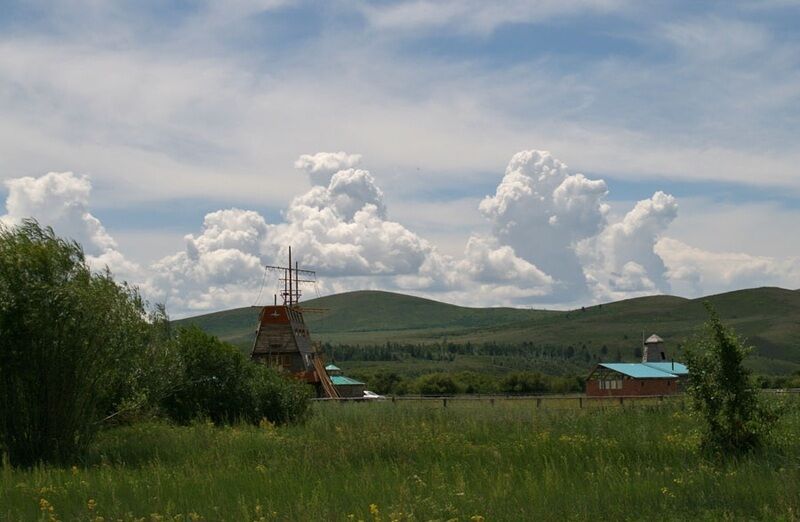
column 290, row 276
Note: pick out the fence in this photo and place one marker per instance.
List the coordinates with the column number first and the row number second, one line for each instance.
column 573, row 401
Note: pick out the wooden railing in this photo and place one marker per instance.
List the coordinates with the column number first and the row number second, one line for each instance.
column 571, row 400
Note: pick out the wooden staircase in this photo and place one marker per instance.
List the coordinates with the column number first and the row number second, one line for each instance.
column 324, row 379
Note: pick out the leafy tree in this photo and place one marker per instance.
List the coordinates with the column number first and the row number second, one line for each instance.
column 219, row 383
column 274, row 397
column 724, row 393
column 384, row 382
column 212, row 384
column 71, row 342
column 437, row 384
column 523, row 382
column 474, row 382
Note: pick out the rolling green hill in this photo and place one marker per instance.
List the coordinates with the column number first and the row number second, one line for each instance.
column 768, row 317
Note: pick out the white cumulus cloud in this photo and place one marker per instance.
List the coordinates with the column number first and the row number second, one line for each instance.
column 61, row 200
column 699, row 272
column 621, row 260
column 322, row 165
column 220, row 267
column 550, row 242
column 542, row 212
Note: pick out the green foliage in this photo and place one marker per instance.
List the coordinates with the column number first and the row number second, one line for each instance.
column 384, row 382
column 476, row 383
column 523, row 383
column 723, row 392
column 72, row 343
column 274, row 397
column 436, row 384
column 219, row 383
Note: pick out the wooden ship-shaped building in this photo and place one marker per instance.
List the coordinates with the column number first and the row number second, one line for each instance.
column 282, row 337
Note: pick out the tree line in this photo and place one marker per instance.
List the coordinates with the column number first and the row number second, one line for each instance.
column 387, row 382
column 446, row 351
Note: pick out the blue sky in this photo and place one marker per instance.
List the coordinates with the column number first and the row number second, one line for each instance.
column 175, row 111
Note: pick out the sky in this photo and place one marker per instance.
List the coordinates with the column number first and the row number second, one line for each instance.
column 547, row 153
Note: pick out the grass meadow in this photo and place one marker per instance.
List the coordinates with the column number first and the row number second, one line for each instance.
column 470, row 461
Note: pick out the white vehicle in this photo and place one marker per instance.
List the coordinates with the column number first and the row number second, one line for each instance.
column 372, row 395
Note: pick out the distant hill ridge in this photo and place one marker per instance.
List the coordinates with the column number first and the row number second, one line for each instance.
column 768, row 317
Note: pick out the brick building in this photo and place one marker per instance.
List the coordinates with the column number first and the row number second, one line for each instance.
column 653, row 376
column 623, row 379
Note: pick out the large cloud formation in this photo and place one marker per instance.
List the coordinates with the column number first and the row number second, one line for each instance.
column 551, row 241
column 542, row 211
column 621, row 261
column 342, row 229
column 61, row 200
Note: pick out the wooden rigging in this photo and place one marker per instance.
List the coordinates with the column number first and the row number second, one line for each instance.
column 282, row 338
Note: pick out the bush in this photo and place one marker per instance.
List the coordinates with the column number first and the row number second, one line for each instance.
column 724, row 393
column 474, row 382
column 221, row 384
column 523, row 382
column 436, row 384
column 71, row 345
column 384, row 382
column 276, row 398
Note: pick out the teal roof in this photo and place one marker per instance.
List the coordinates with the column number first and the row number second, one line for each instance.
column 332, row 367
column 640, row 370
column 341, row 380
column 670, row 367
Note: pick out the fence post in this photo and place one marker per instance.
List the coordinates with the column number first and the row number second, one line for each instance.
column 491, row 401
column 580, row 402
column 538, row 402
column 394, row 400
column 622, row 401
column 444, row 402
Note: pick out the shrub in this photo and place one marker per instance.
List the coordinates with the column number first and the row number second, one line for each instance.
column 274, row 397
column 436, row 384
column 71, row 342
column 474, row 382
column 724, row 393
column 384, row 382
column 523, row 382
column 213, row 384
column 219, row 383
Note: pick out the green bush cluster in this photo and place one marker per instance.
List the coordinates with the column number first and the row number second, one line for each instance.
column 469, row 382
column 218, row 383
column 79, row 350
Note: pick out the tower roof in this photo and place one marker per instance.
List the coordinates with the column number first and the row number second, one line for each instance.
column 654, row 339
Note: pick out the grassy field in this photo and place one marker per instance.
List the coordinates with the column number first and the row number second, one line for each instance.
column 419, row 461
column 769, row 318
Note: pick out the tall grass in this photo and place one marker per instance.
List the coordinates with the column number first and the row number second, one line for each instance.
column 418, row 461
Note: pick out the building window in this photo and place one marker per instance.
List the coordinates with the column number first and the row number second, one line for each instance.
column 610, row 384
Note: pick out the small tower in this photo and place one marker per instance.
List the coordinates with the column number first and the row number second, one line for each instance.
column 654, row 350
